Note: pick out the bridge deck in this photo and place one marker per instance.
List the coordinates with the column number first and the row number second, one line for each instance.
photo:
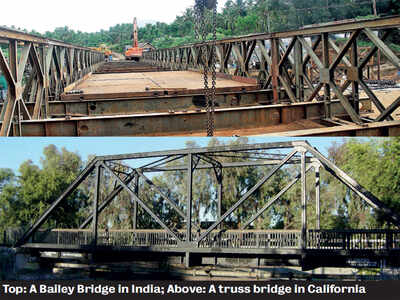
column 358, row 248
column 148, row 83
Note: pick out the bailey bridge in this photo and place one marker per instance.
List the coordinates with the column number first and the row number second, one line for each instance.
column 299, row 82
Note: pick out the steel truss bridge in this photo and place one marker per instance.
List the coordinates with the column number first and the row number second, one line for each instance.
column 38, row 71
column 297, row 66
column 302, row 75
column 301, row 63
column 309, row 246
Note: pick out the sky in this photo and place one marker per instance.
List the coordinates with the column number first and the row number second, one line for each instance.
column 89, row 15
column 15, row 151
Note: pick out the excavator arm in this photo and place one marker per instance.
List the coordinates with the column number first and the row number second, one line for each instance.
column 135, row 34
column 134, row 53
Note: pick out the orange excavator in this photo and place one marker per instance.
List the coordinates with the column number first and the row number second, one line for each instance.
column 134, row 53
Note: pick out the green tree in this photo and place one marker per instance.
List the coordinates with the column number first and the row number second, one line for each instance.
column 375, row 165
column 7, row 196
column 25, row 198
column 394, row 7
column 238, row 17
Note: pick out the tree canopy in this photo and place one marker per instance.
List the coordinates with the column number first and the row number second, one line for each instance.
column 25, row 197
column 238, row 17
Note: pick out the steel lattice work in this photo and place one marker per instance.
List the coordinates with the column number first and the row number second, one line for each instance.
column 38, row 71
column 190, row 240
column 302, row 63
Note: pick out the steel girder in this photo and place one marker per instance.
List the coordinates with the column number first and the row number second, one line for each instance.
column 306, row 63
column 188, row 161
column 167, row 124
column 37, row 71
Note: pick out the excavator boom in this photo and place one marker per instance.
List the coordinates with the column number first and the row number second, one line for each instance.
column 135, row 34
column 134, row 53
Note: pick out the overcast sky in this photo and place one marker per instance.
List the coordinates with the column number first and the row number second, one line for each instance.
column 88, row 15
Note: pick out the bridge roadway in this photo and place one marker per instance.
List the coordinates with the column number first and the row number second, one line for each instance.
column 351, row 248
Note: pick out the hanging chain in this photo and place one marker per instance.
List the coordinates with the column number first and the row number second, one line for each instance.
column 208, row 58
column 198, row 16
column 211, row 127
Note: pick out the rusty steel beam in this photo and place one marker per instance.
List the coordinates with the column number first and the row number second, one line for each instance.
column 351, row 25
column 183, row 123
column 102, row 106
column 153, row 93
column 387, row 128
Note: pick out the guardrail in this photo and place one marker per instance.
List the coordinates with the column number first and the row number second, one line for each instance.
column 232, row 239
column 354, row 239
column 152, row 238
column 253, row 239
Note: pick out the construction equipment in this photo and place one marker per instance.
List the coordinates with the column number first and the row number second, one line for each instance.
column 102, row 48
column 134, row 53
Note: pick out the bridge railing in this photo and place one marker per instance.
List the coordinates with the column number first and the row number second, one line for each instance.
column 232, row 239
column 151, row 238
column 353, row 239
column 253, row 239
column 137, row 238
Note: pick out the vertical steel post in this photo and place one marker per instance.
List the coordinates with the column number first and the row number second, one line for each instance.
column 220, row 191
column 71, row 65
column 47, row 63
column 7, row 114
column 13, row 59
column 19, row 118
column 379, row 64
column 188, row 256
column 318, row 196
column 219, row 208
column 326, row 62
column 96, row 204
column 189, row 199
column 356, row 92
column 299, row 71
column 135, row 206
column 275, row 68
column 303, row 201
column 41, row 94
